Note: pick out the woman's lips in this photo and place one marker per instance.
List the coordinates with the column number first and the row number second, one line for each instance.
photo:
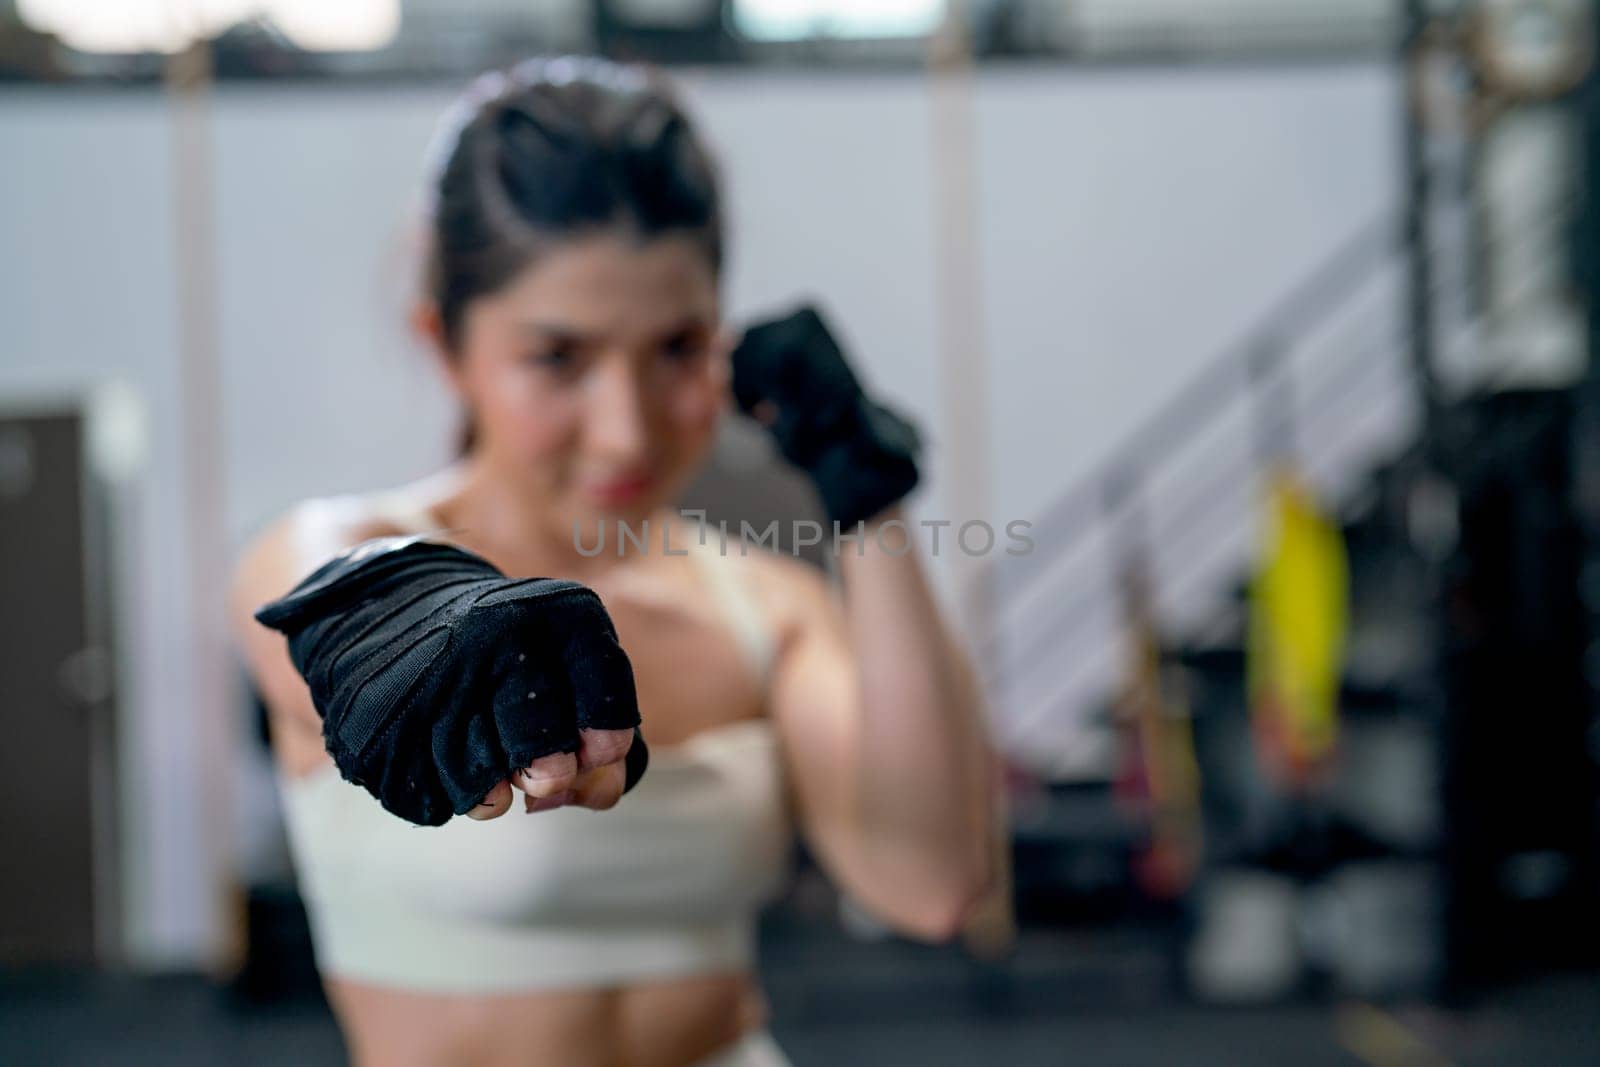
column 620, row 490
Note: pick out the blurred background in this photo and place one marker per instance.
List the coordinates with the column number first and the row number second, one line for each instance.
column 1273, row 317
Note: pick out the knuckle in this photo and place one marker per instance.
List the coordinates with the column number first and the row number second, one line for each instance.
column 603, row 789
column 549, row 803
column 549, row 775
column 601, row 747
column 496, row 803
column 548, row 787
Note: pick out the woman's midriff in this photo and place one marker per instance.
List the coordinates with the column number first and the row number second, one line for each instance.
column 670, row 1023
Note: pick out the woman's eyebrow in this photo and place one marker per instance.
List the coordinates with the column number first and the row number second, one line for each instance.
column 559, row 333
column 550, row 331
column 688, row 324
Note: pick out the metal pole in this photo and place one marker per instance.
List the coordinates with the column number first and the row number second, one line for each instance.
column 212, row 698
column 1418, row 188
column 963, row 363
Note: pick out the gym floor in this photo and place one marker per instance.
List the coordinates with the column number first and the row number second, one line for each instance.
column 1105, row 1006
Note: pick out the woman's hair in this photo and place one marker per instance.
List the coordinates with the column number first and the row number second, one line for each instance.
column 554, row 149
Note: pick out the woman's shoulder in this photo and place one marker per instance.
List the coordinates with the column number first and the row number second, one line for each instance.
column 788, row 588
column 301, row 538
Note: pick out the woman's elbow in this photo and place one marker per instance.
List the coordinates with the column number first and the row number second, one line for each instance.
column 940, row 917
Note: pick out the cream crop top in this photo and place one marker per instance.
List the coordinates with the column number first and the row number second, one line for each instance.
column 666, row 883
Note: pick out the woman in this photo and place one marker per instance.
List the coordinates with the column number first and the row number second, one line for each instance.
column 572, row 300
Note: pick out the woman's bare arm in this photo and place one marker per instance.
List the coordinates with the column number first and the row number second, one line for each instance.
column 883, row 726
column 270, row 566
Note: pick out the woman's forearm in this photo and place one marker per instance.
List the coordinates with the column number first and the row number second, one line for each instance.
column 926, row 791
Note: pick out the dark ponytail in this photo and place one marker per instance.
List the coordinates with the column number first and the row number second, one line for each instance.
column 554, row 149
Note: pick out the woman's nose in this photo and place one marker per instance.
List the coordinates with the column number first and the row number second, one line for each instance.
column 615, row 425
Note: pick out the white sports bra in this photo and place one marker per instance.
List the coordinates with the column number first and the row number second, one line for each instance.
column 666, row 883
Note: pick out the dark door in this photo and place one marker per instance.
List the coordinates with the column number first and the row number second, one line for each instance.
column 46, row 834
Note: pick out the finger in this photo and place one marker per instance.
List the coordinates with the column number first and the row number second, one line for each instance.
column 494, row 805
column 601, row 788
column 548, row 775
column 559, row 800
column 598, row 748
column 638, row 761
column 599, row 675
column 533, row 706
column 466, row 757
column 523, row 623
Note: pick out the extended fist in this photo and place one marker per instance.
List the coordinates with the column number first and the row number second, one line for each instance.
column 439, row 679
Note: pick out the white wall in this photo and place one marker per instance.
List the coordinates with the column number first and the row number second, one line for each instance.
column 1136, row 222
column 86, row 293
column 1132, row 222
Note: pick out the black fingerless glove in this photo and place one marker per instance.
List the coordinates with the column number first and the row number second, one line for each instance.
column 861, row 455
column 437, row 677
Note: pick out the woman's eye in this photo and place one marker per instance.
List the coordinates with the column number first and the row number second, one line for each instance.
column 558, row 359
column 683, row 347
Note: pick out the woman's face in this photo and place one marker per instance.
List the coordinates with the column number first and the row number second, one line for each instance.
column 597, row 375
